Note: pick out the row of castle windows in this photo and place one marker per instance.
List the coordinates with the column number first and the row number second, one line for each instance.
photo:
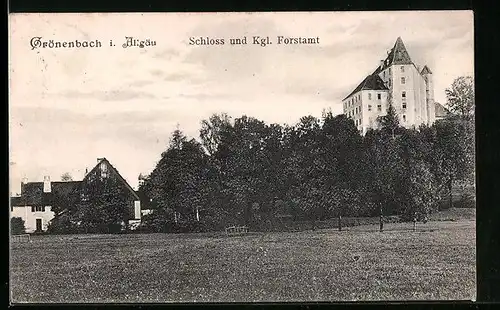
column 379, row 96
column 389, row 74
column 353, row 100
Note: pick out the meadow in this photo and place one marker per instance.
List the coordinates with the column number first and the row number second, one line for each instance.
column 438, row 261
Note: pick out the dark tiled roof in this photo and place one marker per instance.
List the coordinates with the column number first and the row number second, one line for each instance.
column 32, row 193
column 116, row 173
column 15, row 201
column 426, row 70
column 371, row 82
column 61, row 192
column 65, row 188
column 398, row 55
column 440, row 110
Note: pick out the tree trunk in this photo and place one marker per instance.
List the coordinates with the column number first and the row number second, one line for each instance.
column 450, row 186
column 381, row 220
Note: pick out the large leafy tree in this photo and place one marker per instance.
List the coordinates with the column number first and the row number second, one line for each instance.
column 460, row 97
column 178, row 184
column 211, row 131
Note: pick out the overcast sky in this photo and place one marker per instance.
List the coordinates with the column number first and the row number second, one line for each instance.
column 71, row 106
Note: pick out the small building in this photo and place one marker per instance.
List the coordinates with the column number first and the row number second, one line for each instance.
column 441, row 111
column 39, row 201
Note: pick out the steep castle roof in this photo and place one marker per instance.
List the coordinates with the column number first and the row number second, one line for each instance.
column 398, row 55
column 425, row 70
column 371, row 82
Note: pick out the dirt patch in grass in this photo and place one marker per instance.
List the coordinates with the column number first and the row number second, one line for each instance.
column 435, row 262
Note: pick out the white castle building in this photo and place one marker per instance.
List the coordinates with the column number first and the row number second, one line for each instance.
column 398, row 80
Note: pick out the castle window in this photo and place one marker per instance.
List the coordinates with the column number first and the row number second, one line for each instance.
column 379, row 96
column 404, row 118
column 369, row 96
column 403, row 80
column 403, row 94
column 369, row 107
column 402, row 68
column 404, row 105
column 379, row 107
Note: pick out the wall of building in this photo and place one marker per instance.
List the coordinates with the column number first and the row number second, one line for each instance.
column 419, row 108
column 416, row 111
column 431, row 107
column 29, row 217
column 370, row 115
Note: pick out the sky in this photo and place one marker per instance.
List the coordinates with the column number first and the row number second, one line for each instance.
column 68, row 107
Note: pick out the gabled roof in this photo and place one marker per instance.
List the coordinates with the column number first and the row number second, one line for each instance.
column 371, row 82
column 440, row 110
column 104, row 160
column 32, row 193
column 425, row 70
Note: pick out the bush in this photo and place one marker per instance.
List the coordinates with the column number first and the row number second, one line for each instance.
column 62, row 225
column 17, row 226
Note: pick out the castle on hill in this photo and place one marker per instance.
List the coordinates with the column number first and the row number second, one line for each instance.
column 396, row 80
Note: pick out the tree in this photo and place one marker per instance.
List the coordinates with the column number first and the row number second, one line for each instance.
column 453, row 153
column 179, row 183
column 66, row 177
column 389, row 122
column 211, row 131
column 383, row 170
column 461, row 97
column 418, row 187
column 17, row 226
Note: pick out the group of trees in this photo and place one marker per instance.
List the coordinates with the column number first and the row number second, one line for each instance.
column 244, row 171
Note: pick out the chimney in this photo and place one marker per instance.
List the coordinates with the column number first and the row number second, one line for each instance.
column 86, row 172
column 47, row 187
column 24, row 181
column 99, row 159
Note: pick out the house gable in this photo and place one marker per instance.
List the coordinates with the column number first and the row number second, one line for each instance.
column 105, row 169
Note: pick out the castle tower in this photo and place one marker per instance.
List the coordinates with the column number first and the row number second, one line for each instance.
column 396, row 81
column 429, row 94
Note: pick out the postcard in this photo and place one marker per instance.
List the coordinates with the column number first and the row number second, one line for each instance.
column 242, row 157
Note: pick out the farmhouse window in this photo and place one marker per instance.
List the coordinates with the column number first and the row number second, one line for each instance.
column 38, row 209
column 379, row 96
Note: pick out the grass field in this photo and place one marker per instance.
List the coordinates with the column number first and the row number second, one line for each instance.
column 438, row 261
